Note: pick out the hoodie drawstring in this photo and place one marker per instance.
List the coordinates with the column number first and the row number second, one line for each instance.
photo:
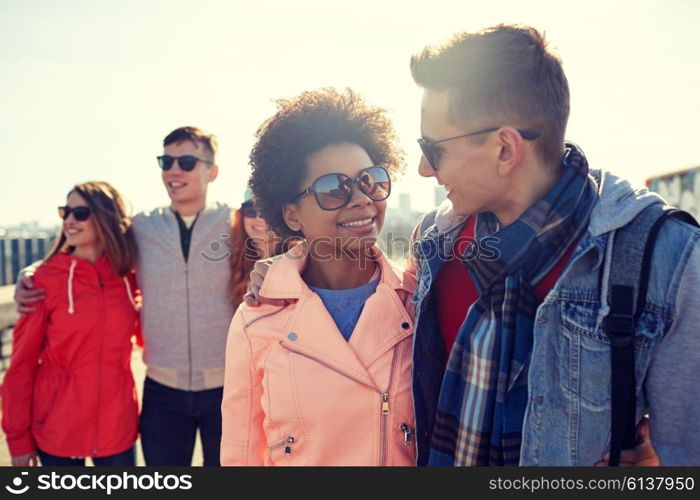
column 71, row 308
column 128, row 292
column 73, row 263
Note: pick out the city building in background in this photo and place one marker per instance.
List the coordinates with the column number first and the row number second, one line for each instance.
column 680, row 189
column 399, row 224
column 20, row 246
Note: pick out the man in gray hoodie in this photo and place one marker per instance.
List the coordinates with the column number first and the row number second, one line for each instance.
column 186, row 304
column 185, row 282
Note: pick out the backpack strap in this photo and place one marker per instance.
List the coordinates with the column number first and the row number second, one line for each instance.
column 632, row 252
column 427, row 221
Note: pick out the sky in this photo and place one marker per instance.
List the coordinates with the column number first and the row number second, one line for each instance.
column 88, row 89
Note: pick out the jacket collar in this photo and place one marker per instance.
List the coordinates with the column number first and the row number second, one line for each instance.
column 283, row 278
column 312, row 332
column 446, row 218
column 64, row 260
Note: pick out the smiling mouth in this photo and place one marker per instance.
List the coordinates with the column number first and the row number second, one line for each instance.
column 176, row 184
column 358, row 223
column 72, row 231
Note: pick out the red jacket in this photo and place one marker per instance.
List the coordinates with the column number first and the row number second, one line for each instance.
column 69, row 389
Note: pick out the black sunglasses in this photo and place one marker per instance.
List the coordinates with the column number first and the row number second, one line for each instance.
column 249, row 211
column 80, row 213
column 186, row 162
column 431, row 153
column 334, row 191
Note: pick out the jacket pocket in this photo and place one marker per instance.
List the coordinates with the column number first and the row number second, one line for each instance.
column 284, row 446
column 585, row 355
column 408, row 436
column 585, row 367
column 47, row 391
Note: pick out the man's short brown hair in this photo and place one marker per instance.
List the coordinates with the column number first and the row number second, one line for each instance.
column 196, row 135
column 504, row 74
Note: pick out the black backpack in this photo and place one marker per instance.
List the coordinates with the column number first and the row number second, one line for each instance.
column 633, row 244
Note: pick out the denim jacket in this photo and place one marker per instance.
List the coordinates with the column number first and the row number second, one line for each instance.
column 567, row 419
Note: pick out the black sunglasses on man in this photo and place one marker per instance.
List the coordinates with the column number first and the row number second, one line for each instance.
column 431, row 153
column 186, row 162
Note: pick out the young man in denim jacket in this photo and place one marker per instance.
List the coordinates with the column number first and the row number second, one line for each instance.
column 511, row 363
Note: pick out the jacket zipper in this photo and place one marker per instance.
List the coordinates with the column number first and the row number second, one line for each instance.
column 99, row 363
column 287, row 443
column 385, row 410
column 189, row 333
column 384, row 395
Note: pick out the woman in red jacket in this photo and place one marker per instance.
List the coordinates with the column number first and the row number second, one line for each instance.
column 69, row 392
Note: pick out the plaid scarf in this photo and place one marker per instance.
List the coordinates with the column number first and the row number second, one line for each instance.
column 484, row 391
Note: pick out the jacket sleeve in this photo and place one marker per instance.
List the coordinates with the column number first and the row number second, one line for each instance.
column 242, row 437
column 18, row 385
column 672, row 385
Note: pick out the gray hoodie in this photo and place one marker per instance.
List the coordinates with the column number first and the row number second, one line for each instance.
column 186, row 304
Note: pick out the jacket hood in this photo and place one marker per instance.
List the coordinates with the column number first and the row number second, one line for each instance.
column 283, row 278
column 64, row 261
column 617, row 204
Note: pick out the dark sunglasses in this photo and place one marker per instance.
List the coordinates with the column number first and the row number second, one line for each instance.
column 431, row 152
column 249, row 211
column 186, row 162
column 334, row 191
column 80, row 213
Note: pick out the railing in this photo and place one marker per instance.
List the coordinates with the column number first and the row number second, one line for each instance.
column 18, row 251
column 5, row 349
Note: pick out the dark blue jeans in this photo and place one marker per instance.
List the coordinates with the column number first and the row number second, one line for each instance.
column 124, row 459
column 169, row 422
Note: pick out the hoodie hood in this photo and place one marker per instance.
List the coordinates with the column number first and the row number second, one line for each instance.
column 618, row 203
column 102, row 270
column 64, row 260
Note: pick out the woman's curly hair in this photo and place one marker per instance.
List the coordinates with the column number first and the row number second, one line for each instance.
column 304, row 125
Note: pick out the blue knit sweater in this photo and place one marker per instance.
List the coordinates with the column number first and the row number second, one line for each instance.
column 345, row 306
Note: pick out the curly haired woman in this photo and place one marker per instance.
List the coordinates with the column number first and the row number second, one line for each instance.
column 324, row 380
